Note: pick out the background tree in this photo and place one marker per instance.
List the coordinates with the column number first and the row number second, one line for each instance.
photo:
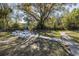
column 4, row 12
column 41, row 12
column 49, row 23
column 71, row 20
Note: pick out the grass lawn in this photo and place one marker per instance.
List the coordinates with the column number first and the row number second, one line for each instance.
column 51, row 33
column 74, row 35
column 43, row 47
column 4, row 35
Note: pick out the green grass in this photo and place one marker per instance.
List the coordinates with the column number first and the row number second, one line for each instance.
column 52, row 33
column 4, row 35
column 46, row 47
column 74, row 35
column 57, row 34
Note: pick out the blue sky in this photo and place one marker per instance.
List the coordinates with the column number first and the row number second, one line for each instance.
column 76, row 6
column 21, row 14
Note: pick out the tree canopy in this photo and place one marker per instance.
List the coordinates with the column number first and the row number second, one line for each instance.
column 41, row 11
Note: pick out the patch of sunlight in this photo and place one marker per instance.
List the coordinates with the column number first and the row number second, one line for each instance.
column 4, row 35
column 57, row 34
column 74, row 35
column 51, row 34
column 5, row 47
column 34, row 46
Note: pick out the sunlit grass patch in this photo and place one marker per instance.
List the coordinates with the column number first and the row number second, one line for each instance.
column 57, row 34
column 3, row 47
column 74, row 35
column 4, row 35
column 52, row 33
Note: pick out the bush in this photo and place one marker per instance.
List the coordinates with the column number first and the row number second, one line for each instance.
column 15, row 26
column 32, row 25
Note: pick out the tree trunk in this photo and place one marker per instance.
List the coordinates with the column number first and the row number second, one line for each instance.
column 7, row 24
column 40, row 25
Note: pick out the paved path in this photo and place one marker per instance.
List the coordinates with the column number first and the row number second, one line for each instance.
column 73, row 46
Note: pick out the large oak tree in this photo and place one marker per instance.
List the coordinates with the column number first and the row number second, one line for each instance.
column 41, row 11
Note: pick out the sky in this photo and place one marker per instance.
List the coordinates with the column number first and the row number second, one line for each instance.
column 68, row 7
column 17, row 13
column 21, row 14
column 77, row 6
